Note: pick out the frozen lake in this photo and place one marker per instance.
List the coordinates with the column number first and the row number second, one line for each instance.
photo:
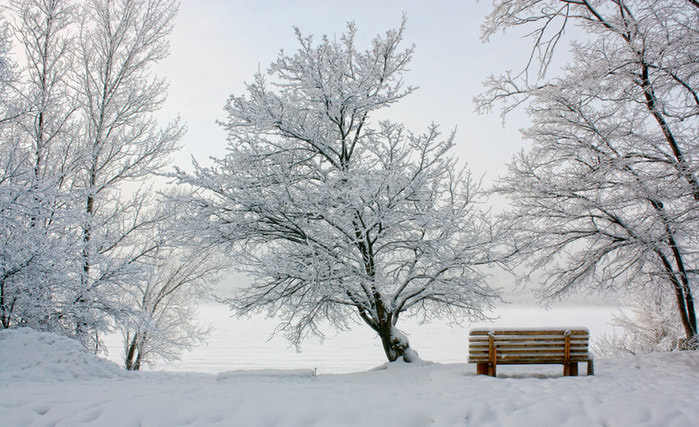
column 247, row 343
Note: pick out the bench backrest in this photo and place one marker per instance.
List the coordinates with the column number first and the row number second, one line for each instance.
column 514, row 346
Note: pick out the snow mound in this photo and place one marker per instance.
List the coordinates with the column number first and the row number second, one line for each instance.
column 29, row 355
column 674, row 363
column 401, row 364
column 266, row 373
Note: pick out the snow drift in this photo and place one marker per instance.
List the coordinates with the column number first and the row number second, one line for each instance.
column 54, row 382
column 29, row 355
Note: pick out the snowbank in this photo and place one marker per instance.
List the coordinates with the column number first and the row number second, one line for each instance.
column 651, row 390
column 28, row 355
column 266, row 373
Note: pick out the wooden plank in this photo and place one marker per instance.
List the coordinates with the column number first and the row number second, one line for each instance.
column 544, row 338
column 560, row 340
column 530, row 351
column 576, row 350
column 527, row 330
column 529, row 355
column 529, row 336
column 531, row 333
column 515, row 346
column 529, row 361
column 567, row 365
column 533, row 353
column 576, row 356
column 515, row 352
column 553, row 338
column 492, row 356
column 521, row 332
column 528, row 344
column 505, row 347
column 532, row 361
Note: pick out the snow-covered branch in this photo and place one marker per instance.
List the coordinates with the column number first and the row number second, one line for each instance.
column 335, row 216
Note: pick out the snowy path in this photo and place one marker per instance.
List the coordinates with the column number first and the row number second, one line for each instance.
column 43, row 390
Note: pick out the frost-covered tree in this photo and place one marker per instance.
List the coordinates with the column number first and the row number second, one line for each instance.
column 651, row 325
column 335, row 216
column 79, row 147
column 165, row 318
column 120, row 145
column 607, row 195
column 36, row 164
column 10, row 171
column 7, row 72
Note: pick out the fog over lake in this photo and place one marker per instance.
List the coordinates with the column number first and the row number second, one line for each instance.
column 247, row 344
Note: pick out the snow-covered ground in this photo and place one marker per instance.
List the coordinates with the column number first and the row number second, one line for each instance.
column 48, row 380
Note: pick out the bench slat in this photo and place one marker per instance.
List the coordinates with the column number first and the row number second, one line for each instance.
column 520, row 340
column 496, row 332
column 515, row 344
column 532, row 361
column 538, row 353
column 557, row 338
column 532, row 350
column 533, row 354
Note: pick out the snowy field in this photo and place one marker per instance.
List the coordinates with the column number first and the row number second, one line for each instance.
column 48, row 380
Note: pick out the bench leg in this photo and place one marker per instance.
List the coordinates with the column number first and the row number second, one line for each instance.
column 590, row 367
column 485, row 368
column 570, row 369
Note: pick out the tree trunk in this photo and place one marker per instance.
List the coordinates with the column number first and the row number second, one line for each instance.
column 137, row 364
column 683, row 294
column 685, row 303
column 396, row 345
column 132, row 362
column 5, row 312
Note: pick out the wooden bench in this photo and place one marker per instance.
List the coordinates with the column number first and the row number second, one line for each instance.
column 490, row 347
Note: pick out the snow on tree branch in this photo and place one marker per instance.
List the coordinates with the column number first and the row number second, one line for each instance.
column 607, row 196
column 335, row 216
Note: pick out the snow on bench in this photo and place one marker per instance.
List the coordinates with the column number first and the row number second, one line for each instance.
column 567, row 346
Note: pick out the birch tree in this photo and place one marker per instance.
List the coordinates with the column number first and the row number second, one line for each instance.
column 10, row 263
column 335, row 216
column 37, row 161
column 165, row 322
column 6, row 68
column 607, row 196
column 121, row 144
column 79, row 147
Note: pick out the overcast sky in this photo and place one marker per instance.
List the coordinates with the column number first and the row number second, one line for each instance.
column 217, row 45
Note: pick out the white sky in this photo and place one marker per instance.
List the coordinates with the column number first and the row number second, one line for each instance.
column 217, row 45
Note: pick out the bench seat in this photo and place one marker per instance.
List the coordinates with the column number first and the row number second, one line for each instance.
column 490, row 347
